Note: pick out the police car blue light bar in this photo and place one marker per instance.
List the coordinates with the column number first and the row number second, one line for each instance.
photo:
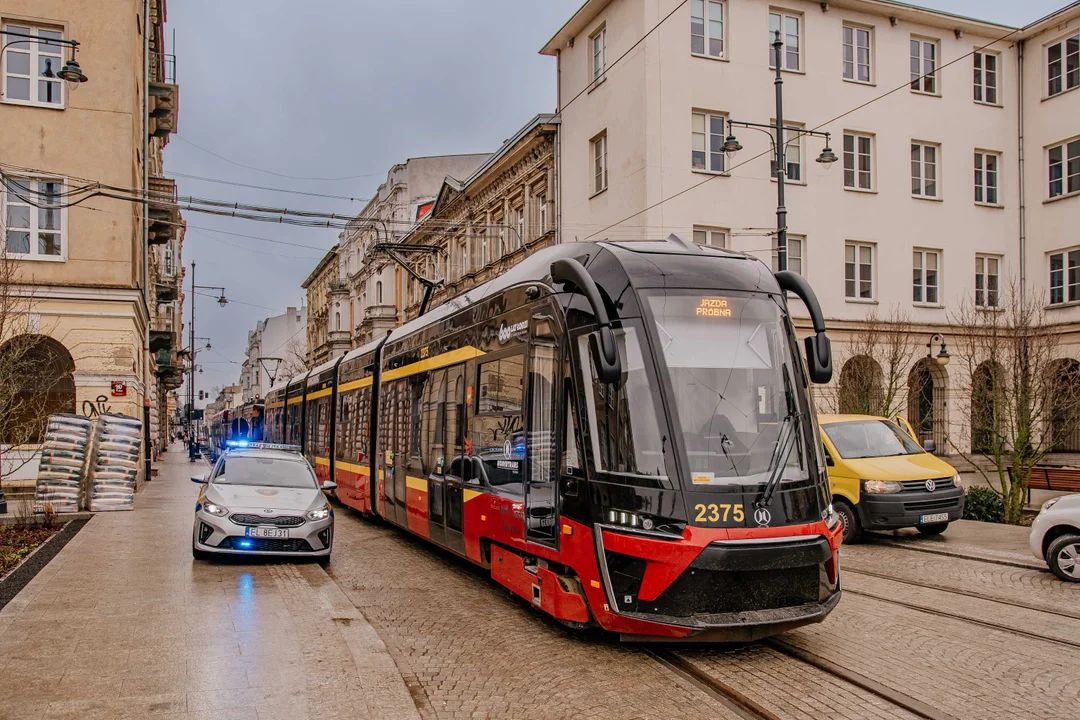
column 236, row 443
column 273, row 446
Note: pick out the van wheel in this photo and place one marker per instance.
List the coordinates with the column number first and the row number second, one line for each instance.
column 1063, row 557
column 849, row 519
column 931, row 530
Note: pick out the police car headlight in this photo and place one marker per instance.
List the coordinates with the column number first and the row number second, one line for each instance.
column 1049, row 504
column 319, row 513
column 215, row 509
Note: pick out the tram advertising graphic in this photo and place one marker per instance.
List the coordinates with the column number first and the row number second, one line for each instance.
column 620, row 432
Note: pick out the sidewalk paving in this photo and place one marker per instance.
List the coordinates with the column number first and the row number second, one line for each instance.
column 124, row 624
column 972, row 540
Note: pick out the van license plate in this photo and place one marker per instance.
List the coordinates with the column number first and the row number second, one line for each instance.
column 936, row 517
column 265, row 532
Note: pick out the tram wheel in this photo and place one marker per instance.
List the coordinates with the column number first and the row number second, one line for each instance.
column 931, row 530
column 850, row 521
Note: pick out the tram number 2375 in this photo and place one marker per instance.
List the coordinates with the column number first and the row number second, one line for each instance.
column 708, row 513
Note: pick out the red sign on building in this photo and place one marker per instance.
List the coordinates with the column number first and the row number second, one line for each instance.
column 119, row 388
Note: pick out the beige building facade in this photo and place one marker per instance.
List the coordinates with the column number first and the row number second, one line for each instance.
column 104, row 275
column 958, row 170
column 321, row 284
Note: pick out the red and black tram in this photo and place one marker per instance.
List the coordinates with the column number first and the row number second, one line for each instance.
column 621, row 432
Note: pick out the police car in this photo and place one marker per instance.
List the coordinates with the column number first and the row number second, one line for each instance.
column 262, row 499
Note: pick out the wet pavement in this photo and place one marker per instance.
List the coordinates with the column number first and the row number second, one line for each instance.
column 124, row 624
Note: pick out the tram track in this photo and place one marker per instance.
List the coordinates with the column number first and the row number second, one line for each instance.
column 1006, row 561
column 750, row 709
column 965, row 593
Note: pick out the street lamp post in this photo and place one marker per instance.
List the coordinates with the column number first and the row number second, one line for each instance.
column 779, row 143
column 71, row 73
column 191, row 347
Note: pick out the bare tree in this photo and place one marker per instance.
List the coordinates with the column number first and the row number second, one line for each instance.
column 874, row 365
column 1022, row 394
column 294, row 359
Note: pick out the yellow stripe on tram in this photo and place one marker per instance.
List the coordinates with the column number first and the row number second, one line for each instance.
column 293, row 401
column 322, row 461
column 319, row 393
column 470, row 494
column 353, row 384
column 416, row 483
column 350, row 467
column 433, row 363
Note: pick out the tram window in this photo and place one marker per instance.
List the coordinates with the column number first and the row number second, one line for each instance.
column 362, row 425
column 415, row 418
column 571, row 458
column 622, row 417
column 501, row 383
column 434, row 423
column 455, row 412
column 541, row 433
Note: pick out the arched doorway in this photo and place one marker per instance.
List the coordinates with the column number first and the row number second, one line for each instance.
column 860, row 389
column 984, row 385
column 40, row 376
column 1064, row 425
column 926, row 402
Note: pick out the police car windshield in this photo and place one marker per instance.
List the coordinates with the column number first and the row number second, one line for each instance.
column 263, row 472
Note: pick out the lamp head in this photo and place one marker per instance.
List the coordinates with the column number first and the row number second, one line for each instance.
column 827, row 157
column 222, row 301
column 730, row 146
column 72, row 74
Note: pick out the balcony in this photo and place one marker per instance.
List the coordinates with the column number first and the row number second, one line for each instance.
column 164, row 106
column 162, row 341
column 380, row 312
column 164, row 215
column 165, row 292
column 168, row 371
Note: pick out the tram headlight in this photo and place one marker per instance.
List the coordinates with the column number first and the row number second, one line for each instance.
column 881, row 487
column 831, row 517
column 634, row 521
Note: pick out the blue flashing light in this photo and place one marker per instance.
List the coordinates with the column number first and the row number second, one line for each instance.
column 245, row 544
column 237, row 443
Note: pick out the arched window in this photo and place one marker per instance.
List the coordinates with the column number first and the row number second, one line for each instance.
column 861, row 386
column 984, row 409
column 337, row 321
column 1064, row 420
column 926, row 402
column 378, row 292
column 40, row 373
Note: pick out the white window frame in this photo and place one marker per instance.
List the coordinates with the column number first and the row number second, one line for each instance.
column 922, row 170
column 983, row 176
column 598, row 54
column 35, row 51
column 1068, row 155
column 918, row 55
column 920, row 268
column 985, row 80
column 796, row 253
column 854, row 63
column 857, row 263
column 1065, row 52
column 598, row 162
column 8, row 199
column 784, row 16
column 708, row 26
column 983, row 263
column 855, row 154
column 519, row 225
column 707, row 136
column 712, row 236
column 791, row 128
column 1070, row 291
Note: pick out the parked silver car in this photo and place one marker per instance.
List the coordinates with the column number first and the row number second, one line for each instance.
column 1055, row 536
column 262, row 500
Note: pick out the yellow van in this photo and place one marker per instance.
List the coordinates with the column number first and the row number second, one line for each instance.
column 881, row 478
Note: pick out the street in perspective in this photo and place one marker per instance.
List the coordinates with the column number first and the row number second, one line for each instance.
column 488, row 359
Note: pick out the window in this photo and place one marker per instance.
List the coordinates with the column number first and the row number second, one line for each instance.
column 34, row 232
column 924, row 267
column 986, row 77
column 519, row 221
column 378, row 292
column 859, row 271
column 543, row 214
column 1065, row 53
column 858, row 162
column 793, row 136
column 714, row 237
column 599, row 159
column 1064, row 285
column 707, row 33
column 497, row 424
column 794, row 254
column 986, row 177
column 707, row 142
column 1064, row 165
column 169, row 267
column 924, row 163
column 791, row 52
column 30, row 67
column 598, row 45
column 924, row 66
column 986, row 281
column 856, row 53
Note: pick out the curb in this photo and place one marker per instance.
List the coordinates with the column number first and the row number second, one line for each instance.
column 964, row 556
column 35, row 562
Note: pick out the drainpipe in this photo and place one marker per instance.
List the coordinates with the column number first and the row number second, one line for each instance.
column 1020, row 163
column 558, row 147
column 147, row 440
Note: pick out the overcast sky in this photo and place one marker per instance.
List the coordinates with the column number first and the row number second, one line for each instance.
column 345, row 89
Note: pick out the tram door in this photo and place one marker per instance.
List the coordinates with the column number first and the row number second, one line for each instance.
column 457, row 462
column 541, row 498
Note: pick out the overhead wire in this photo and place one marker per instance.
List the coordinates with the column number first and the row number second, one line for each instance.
column 271, row 172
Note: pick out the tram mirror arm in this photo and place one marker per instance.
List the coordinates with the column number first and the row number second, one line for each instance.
column 574, row 276
column 818, row 348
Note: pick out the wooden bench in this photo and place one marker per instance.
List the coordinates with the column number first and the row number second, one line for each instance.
column 1057, row 479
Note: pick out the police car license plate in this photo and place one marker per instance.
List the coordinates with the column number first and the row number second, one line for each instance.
column 936, row 517
column 265, row 532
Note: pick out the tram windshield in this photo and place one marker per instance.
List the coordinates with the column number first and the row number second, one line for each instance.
column 732, row 370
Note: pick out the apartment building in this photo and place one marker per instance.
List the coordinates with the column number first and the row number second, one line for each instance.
column 482, row 225
column 957, row 139
column 326, row 335
column 101, row 278
column 277, row 348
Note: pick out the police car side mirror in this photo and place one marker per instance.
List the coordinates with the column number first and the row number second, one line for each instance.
column 329, row 485
column 201, row 479
column 605, row 351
